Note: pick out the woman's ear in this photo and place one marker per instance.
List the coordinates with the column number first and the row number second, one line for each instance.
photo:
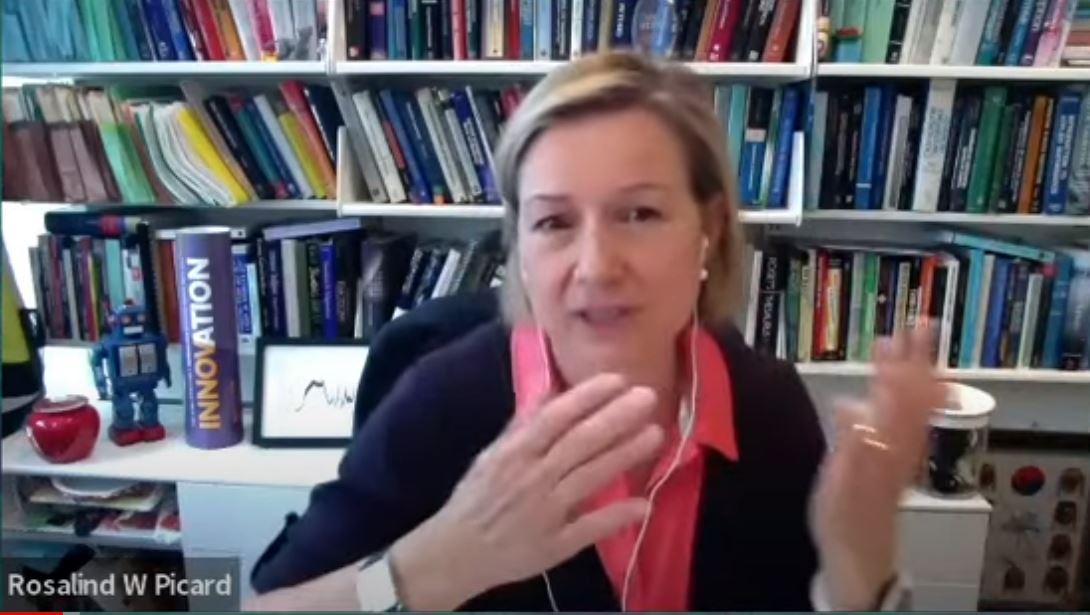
column 712, row 220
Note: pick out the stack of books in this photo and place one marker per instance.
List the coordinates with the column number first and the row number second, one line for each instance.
column 990, row 303
column 326, row 279
column 163, row 30
column 174, row 146
column 765, row 144
column 430, row 145
column 954, row 32
column 1077, row 50
column 700, row 30
column 952, row 147
column 436, row 145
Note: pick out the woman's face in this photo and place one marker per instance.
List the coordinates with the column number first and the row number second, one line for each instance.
column 609, row 241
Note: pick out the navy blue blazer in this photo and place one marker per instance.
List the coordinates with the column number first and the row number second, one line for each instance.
column 753, row 548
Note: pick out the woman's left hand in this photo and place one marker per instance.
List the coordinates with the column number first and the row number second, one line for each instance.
column 879, row 447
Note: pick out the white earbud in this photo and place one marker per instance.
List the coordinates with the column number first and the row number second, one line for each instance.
column 703, row 255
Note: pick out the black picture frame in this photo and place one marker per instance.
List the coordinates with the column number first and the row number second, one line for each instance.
column 261, row 407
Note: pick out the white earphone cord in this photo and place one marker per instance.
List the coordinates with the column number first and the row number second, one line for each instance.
column 674, row 463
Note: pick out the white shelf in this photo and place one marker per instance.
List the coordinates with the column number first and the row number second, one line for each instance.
column 114, row 70
column 98, row 539
column 495, row 212
column 1040, row 376
column 770, row 72
column 172, row 460
column 848, row 215
column 480, row 212
column 927, row 71
column 271, row 205
column 918, row 501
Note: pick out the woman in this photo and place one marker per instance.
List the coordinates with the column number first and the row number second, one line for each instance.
column 613, row 444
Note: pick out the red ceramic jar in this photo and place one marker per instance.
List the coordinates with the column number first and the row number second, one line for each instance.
column 63, row 429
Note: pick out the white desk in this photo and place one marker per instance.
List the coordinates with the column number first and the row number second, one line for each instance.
column 233, row 501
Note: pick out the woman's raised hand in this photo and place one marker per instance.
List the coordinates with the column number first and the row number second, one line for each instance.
column 516, row 512
column 879, row 446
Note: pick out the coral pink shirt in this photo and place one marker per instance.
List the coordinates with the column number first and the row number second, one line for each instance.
column 660, row 580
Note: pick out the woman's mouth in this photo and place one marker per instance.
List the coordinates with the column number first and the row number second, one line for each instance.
column 604, row 318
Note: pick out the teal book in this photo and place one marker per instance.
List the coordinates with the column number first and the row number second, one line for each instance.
column 876, row 31
column 736, row 127
column 115, row 283
column 980, row 178
column 127, row 30
column 90, row 29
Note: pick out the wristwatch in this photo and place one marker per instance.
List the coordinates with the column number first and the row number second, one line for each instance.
column 375, row 588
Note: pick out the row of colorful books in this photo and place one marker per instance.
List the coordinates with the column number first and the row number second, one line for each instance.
column 990, row 303
column 701, row 30
column 1043, row 33
column 163, row 30
column 321, row 279
column 436, row 145
column 169, row 146
column 953, row 147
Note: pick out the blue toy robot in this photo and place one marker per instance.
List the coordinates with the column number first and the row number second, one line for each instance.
column 137, row 361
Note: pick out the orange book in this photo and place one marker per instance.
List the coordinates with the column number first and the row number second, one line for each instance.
column 711, row 16
column 232, row 44
column 927, row 278
column 1038, row 137
column 783, row 26
column 297, row 102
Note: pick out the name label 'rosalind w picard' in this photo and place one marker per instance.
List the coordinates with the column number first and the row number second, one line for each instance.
column 132, row 584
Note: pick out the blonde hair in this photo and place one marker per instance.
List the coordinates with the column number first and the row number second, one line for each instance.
column 611, row 82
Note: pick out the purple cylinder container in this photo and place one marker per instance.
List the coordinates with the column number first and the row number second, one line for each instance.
column 206, row 291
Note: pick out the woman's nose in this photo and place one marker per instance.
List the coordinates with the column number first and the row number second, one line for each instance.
column 598, row 257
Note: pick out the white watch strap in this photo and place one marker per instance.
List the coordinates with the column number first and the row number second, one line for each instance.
column 375, row 589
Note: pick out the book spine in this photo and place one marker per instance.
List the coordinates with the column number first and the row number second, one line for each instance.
column 771, row 288
column 312, row 291
column 1076, row 325
column 936, row 124
column 744, row 18
column 723, row 32
column 758, row 36
column 995, row 99
column 1019, row 33
column 989, row 40
column 864, row 185
column 543, row 34
column 242, row 298
column 998, row 199
column 1029, row 321
column 382, row 149
column 575, row 29
column 420, row 187
column 1036, row 27
column 277, row 318
column 591, row 26
column 897, row 29
column 1078, row 182
column 782, row 166
column 1037, row 195
column 994, row 322
column 494, row 34
column 376, row 29
column 178, row 37
column 155, row 13
column 1015, row 316
column 208, row 29
column 1060, row 152
column 329, row 290
column 622, row 30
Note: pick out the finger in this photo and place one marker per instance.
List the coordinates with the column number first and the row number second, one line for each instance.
column 588, row 478
column 562, row 412
column 592, row 527
column 899, row 347
column 617, row 420
column 921, row 342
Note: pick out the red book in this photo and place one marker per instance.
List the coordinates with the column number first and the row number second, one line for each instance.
column 512, row 22
column 725, row 24
column 927, row 279
column 262, row 22
column 458, row 30
column 206, row 19
column 82, row 255
column 170, row 290
column 783, row 26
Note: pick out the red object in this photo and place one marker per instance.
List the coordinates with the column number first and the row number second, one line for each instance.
column 512, row 21
column 725, row 24
column 783, row 26
column 458, row 30
column 209, row 29
column 63, row 429
column 661, row 577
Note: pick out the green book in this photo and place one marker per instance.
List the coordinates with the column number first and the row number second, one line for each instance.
column 736, row 128
column 417, row 44
column 995, row 98
column 771, row 142
column 88, row 14
column 126, row 34
column 105, row 28
column 1003, row 151
column 115, row 281
column 876, row 31
column 871, row 266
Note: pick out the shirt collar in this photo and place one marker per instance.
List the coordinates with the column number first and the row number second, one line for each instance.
column 535, row 377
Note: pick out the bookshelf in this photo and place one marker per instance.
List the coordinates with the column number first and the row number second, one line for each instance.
column 917, row 217
column 969, row 73
column 158, row 71
column 335, row 68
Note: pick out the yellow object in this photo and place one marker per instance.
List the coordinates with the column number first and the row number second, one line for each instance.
column 196, row 135
column 14, row 338
column 294, row 133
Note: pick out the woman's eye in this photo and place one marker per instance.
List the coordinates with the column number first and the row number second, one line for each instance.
column 642, row 214
column 550, row 223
